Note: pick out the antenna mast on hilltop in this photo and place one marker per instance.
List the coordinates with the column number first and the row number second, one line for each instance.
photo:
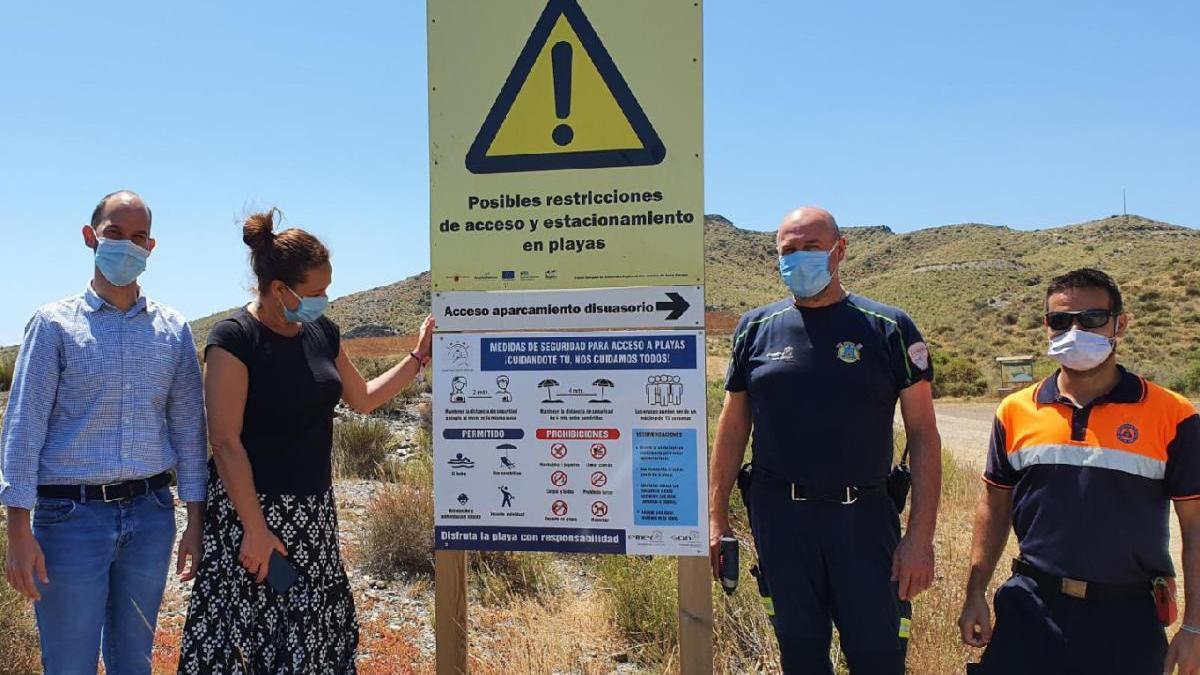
column 1124, row 207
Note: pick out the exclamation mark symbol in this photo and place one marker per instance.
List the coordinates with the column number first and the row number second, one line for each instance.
column 560, row 58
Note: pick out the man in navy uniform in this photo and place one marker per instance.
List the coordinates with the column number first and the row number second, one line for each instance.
column 816, row 378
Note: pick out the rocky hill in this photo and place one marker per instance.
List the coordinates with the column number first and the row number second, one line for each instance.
column 976, row 290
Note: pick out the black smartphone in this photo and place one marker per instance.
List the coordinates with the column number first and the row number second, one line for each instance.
column 281, row 574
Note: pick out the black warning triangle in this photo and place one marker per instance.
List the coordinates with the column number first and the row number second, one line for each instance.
column 651, row 150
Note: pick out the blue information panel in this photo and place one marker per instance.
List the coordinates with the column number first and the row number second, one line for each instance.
column 595, row 352
column 571, row 442
column 664, row 477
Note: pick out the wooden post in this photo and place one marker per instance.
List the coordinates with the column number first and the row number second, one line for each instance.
column 450, row 611
column 695, row 616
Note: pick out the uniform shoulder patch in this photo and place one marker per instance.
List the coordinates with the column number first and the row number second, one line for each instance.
column 918, row 353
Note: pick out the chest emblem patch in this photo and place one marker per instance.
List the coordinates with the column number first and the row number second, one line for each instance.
column 1127, row 433
column 849, row 352
column 787, row 354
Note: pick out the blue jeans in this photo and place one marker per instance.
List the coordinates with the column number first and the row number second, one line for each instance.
column 107, row 565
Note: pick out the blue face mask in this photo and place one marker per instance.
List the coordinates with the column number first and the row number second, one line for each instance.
column 120, row 261
column 310, row 309
column 806, row 273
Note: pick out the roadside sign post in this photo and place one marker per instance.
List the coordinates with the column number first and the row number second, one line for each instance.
column 567, row 224
column 450, row 611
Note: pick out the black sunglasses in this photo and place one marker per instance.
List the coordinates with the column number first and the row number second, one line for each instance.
column 1087, row 319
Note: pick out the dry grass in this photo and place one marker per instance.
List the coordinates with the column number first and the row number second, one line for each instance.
column 744, row 640
column 498, row 578
column 381, row 347
column 570, row 635
column 360, row 447
column 398, row 541
column 640, row 596
column 18, row 638
column 936, row 647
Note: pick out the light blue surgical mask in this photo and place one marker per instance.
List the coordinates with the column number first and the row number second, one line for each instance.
column 310, row 309
column 806, row 273
column 120, row 261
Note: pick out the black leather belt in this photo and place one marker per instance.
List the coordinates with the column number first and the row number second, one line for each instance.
column 1076, row 588
column 838, row 495
column 113, row 492
column 835, row 494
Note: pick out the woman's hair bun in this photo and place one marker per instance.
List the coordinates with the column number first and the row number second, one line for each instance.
column 287, row 256
column 258, row 231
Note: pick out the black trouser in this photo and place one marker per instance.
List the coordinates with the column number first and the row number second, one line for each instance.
column 1048, row 633
column 827, row 564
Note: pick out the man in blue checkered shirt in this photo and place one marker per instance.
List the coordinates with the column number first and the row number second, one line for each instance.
column 106, row 406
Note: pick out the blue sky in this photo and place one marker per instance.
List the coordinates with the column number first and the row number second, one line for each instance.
column 1022, row 113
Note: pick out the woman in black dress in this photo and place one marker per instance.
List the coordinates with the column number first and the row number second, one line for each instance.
column 274, row 373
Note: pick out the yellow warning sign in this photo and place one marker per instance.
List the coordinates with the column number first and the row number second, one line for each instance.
column 566, row 144
column 564, row 105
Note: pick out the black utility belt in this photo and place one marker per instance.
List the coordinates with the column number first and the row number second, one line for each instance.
column 1077, row 588
column 834, row 494
column 838, row 495
column 113, row 492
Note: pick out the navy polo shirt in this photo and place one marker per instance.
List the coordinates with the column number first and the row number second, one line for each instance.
column 822, row 385
column 1092, row 485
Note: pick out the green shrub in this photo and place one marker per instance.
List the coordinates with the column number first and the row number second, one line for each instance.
column 7, row 364
column 417, row 469
column 360, row 446
column 641, row 596
column 1189, row 381
column 371, row 368
column 398, row 541
column 956, row 376
column 407, row 395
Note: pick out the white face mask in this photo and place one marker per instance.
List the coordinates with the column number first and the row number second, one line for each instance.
column 1080, row 349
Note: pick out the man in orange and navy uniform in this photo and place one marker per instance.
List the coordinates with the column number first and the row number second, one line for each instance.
column 1085, row 465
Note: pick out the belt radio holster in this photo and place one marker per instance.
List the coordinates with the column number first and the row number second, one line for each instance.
column 899, row 482
column 764, row 593
column 1164, row 600
column 744, row 480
